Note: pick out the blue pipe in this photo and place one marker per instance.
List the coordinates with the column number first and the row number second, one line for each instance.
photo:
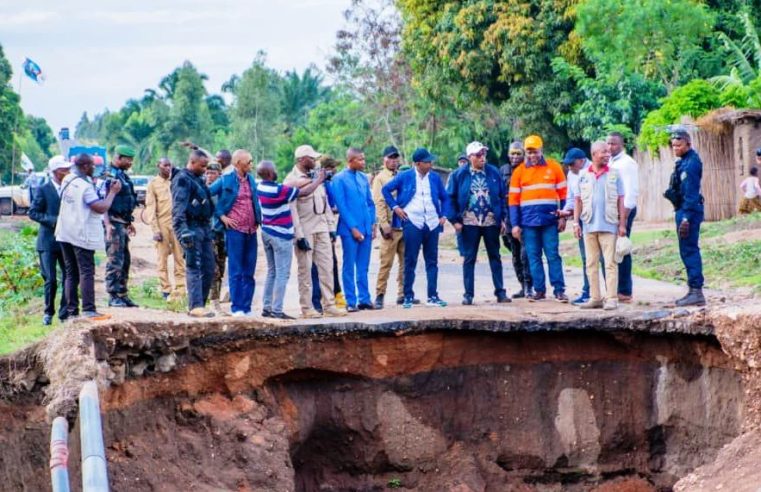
column 59, row 455
column 94, row 475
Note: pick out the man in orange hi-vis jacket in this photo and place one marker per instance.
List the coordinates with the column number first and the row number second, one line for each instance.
column 537, row 193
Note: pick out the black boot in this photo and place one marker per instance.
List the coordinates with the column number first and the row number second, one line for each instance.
column 693, row 298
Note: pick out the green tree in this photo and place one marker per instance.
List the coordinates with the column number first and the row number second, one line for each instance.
column 189, row 117
column 658, row 40
column 42, row 134
column 10, row 116
column 301, row 93
column 256, row 117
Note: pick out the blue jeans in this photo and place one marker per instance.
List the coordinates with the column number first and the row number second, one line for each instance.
column 689, row 250
column 544, row 239
column 460, row 247
column 356, row 262
column 583, row 251
column 241, row 264
column 625, row 285
column 199, row 266
column 414, row 239
column 279, row 254
column 471, row 237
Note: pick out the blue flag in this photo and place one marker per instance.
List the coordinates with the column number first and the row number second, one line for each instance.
column 33, row 71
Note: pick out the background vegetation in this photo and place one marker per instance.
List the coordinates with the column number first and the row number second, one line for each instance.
column 441, row 73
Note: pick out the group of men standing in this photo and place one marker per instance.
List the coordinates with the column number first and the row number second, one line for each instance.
column 208, row 215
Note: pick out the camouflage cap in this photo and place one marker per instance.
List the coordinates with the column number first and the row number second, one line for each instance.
column 213, row 166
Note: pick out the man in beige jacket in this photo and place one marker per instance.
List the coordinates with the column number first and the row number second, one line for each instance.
column 158, row 208
column 312, row 222
column 390, row 228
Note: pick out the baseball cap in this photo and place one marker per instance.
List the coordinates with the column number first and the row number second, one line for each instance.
column 306, row 151
column 680, row 134
column 58, row 162
column 390, row 150
column 572, row 155
column 421, row 154
column 533, row 142
column 758, row 151
column 475, row 148
column 213, row 166
column 462, row 157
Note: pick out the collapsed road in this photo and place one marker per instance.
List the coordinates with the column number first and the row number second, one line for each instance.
column 484, row 400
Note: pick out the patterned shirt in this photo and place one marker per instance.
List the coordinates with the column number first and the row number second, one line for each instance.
column 274, row 200
column 479, row 212
column 243, row 208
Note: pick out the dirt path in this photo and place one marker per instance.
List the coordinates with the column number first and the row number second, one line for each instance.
column 649, row 294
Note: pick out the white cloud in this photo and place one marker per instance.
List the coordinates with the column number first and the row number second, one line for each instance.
column 27, row 18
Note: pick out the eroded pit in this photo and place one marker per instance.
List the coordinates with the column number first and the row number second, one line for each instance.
column 433, row 410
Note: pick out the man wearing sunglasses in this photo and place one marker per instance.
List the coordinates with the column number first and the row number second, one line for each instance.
column 477, row 196
column 239, row 214
column 515, row 156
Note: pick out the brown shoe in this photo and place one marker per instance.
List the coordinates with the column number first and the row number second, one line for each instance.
column 334, row 312
column 200, row 312
column 310, row 314
column 624, row 299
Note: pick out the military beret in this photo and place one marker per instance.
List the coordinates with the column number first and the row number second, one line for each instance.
column 124, row 150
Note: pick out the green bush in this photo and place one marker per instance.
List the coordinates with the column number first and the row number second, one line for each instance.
column 20, row 278
column 693, row 99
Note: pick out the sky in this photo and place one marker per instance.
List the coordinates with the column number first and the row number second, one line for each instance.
column 98, row 54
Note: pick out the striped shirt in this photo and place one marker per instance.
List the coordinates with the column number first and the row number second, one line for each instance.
column 274, row 200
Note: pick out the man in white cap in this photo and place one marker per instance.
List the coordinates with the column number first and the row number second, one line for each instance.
column 479, row 210
column 312, row 222
column 44, row 210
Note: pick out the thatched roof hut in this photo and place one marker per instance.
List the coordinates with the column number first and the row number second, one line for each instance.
column 726, row 140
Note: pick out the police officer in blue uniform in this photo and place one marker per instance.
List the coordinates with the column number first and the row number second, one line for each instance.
column 192, row 209
column 684, row 194
column 119, row 227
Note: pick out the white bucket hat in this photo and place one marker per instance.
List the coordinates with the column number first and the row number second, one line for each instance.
column 623, row 248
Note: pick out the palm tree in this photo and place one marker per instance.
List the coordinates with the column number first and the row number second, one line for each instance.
column 744, row 57
column 301, row 93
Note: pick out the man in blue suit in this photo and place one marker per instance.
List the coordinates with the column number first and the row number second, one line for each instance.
column 356, row 226
column 420, row 203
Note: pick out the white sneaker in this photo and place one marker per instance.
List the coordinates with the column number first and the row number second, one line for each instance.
column 239, row 314
column 610, row 304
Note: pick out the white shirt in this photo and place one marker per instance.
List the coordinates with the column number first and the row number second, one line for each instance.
column 629, row 171
column 573, row 185
column 421, row 210
column 57, row 186
column 751, row 187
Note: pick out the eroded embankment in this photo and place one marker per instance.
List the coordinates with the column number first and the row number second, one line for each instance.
column 628, row 403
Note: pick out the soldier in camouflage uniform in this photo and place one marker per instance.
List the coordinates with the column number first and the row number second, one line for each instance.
column 213, row 172
column 119, row 227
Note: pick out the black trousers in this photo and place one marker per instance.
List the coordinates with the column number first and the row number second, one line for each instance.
column 80, row 276
column 520, row 260
column 199, row 266
column 48, row 261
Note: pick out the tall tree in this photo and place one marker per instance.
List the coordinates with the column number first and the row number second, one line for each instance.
column 256, row 116
column 10, row 116
column 42, row 134
column 189, row 117
column 301, row 93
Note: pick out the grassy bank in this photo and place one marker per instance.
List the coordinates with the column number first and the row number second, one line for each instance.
column 731, row 252
column 21, row 285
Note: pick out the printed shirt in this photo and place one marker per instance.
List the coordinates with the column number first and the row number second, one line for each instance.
column 274, row 200
column 421, row 210
column 479, row 212
column 242, row 211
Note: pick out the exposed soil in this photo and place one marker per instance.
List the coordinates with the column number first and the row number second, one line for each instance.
column 624, row 403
